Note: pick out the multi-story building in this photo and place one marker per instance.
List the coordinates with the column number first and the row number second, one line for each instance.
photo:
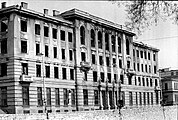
column 70, row 61
column 169, row 86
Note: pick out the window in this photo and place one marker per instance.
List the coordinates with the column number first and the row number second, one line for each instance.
column 135, row 80
column 175, row 86
column 85, row 76
column 133, row 53
column 130, row 80
column 3, row 93
column 48, row 96
column 83, row 56
column 139, row 81
column 152, row 98
column 73, row 97
column 107, row 61
column 113, row 41
column 136, row 98
column 120, row 63
column 72, row 74
column 127, row 47
column 102, row 76
column 155, row 69
column 70, row 55
column 151, row 82
column 94, row 76
column 128, row 64
column 62, row 35
column 64, row 74
column 56, row 74
column 25, row 68
column 100, row 40
column 114, row 62
column 46, row 31
column 46, row 51
column 37, row 49
column 38, row 70
column 25, row 95
column 24, row 46
column 93, row 59
column 85, row 97
column 147, row 81
column 54, row 30
column 149, row 68
column 134, row 66
column 145, row 54
column 146, row 68
column 66, row 97
column 141, row 54
column 70, row 36
column 107, row 41
column 101, row 60
column 109, row 77
column 144, row 98
column 23, row 25
column 37, row 29
column 154, row 56
column 148, row 55
column 47, row 68
column 138, row 66
column 142, row 67
column 156, row 82
column 137, row 54
column 140, row 94
column 39, row 96
column 3, row 69
column 148, row 98
column 92, row 38
column 4, row 46
column 55, row 52
column 110, row 99
column 157, row 98
column 96, row 96
column 82, row 35
column 57, row 97
column 119, row 45
column 4, row 25
column 130, row 99
column 63, row 54
column 122, row 79
column 143, row 81
column 115, row 78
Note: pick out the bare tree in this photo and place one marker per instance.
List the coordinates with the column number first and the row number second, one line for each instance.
column 142, row 14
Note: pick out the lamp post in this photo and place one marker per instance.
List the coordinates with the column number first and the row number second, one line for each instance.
column 44, row 92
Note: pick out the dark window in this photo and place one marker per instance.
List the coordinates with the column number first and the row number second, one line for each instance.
column 142, row 67
column 149, row 68
column 135, row 80
column 72, row 74
column 25, row 68
column 24, row 46
column 109, row 77
column 138, row 66
column 63, row 54
column 39, row 96
column 3, row 69
column 85, row 76
column 82, row 35
column 102, row 76
column 23, row 25
column 154, row 56
column 47, row 71
column 96, row 95
column 37, row 29
column 94, row 76
column 48, row 96
column 115, row 78
column 54, row 30
column 113, row 41
column 64, row 76
column 146, row 68
column 144, row 98
column 119, row 45
column 101, row 60
column 166, row 86
column 128, row 64
column 70, row 55
column 73, row 96
column 100, row 40
column 155, row 70
column 37, row 49
column 66, row 97
column 140, row 98
column 4, row 25
column 143, row 81
column 111, row 98
column 3, row 93
column 107, row 41
column 107, row 61
column 92, row 38
column 114, row 62
column 133, row 53
column 151, row 82
column 148, row 98
column 148, row 55
column 122, row 79
column 85, row 97
column 93, row 59
column 157, row 97
column 62, row 35
column 46, row 31
column 152, row 98
column 130, row 99
column 145, row 54
column 120, row 63
column 25, row 95
column 137, row 53
column 38, row 70
column 156, row 82
column 136, row 98
column 130, row 80
column 57, row 97
column 134, row 66
column 56, row 72
column 127, row 47
column 139, row 81
column 55, row 52
column 4, row 46
column 83, row 56
column 141, row 54
column 46, row 51
column 70, row 36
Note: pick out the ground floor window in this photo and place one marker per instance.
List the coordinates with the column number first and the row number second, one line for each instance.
column 25, row 95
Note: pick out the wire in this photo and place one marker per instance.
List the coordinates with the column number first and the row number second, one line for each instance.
column 159, row 38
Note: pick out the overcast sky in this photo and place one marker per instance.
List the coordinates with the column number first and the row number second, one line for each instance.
column 163, row 36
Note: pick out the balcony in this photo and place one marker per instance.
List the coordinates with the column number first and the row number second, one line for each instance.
column 85, row 66
column 157, row 88
column 130, row 72
column 26, row 79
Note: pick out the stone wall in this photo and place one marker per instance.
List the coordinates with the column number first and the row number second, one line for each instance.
column 140, row 113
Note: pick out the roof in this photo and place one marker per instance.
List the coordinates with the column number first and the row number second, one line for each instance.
column 76, row 13
column 142, row 45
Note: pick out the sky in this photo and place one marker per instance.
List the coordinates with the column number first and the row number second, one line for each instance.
column 163, row 36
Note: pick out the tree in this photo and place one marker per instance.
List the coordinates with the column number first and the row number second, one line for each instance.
column 142, row 14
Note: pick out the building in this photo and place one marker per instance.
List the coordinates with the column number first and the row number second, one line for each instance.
column 169, row 84
column 70, row 61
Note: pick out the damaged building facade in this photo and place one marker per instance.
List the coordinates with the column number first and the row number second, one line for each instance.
column 71, row 61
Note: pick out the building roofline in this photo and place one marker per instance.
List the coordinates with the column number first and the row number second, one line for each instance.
column 76, row 13
column 143, row 45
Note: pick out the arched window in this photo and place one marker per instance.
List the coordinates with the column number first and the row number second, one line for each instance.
column 82, row 35
column 99, row 40
column 107, row 41
column 119, row 45
column 92, row 38
column 127, row 47
column 113, row 43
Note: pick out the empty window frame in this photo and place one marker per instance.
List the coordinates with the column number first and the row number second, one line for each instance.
column 37, row 48
column 109, row 77
column 93, row 59
column 57, row 97
column 141, row 54
column 48, row 96
column 127, row 47
column 83, row 57
column 65, row 96
column 107, row 61
column 85, row 96
column 101, row 60
column 102, row 76
column 23, row 46
column 96, row 97
column 120, row 63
